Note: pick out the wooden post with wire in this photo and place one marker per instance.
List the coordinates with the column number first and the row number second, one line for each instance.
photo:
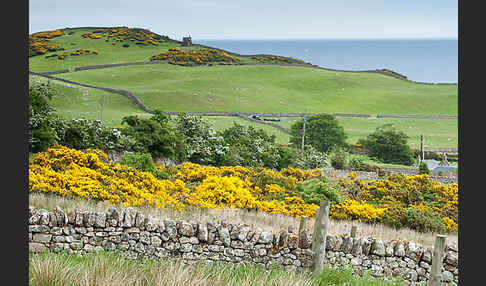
column 353, row 231
column 319, row 237
column 435, row 270
column 302, row 225
column 303, row 220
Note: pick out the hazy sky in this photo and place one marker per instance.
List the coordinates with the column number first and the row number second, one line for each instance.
column 256, row 19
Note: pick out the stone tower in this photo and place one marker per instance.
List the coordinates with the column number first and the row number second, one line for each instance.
column 186, row 41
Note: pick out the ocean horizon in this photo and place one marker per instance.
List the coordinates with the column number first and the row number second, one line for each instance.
column 432, row 60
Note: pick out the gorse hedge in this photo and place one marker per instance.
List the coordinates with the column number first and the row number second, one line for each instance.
column 400, row 201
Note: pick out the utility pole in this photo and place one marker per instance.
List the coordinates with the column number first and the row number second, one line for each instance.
column 303, row 133
column 101, row 108
column 422, row 147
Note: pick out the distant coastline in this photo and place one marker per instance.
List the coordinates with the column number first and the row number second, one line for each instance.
column 422, row 60
column 395, row 73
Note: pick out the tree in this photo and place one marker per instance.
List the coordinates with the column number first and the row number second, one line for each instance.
column 153, row 135
column 42, row 118
column 388, row 145
column 322, row 131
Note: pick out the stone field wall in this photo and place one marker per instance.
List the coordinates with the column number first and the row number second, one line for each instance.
column 136, row 235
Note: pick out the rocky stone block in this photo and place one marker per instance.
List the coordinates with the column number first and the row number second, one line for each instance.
column 41, row 237
column 378, row 248
column 224, row 236
column 36, row 247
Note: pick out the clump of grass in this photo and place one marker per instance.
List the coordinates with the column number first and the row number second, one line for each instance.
column 346, row 276
column 111, row 268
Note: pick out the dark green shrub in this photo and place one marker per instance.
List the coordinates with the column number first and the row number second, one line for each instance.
column 154, row 135
column 423, row 169
column 43, row 121
column 315, row 190
column 142, row 162
column 338, row 158
column 395, row 216
column 424, row 221
column 388, row 145
column 356, row 162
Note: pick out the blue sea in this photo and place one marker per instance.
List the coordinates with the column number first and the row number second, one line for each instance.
column 424, row 60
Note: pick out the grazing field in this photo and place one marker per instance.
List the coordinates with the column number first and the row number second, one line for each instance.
column 271, row 89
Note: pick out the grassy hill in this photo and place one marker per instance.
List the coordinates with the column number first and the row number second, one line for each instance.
column 241, row 88
column 110, row 51
column 271, row 89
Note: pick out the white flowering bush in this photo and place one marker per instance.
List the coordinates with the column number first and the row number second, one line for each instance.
column 202, row 144
column 43, row 121
column 251, row 147
column 310, row 158
column 82, row 133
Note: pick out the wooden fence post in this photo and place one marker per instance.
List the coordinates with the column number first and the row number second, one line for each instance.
column 303, row 220
column 435, row 270
column 353, row 231
column 302, row 225
column 319, row 237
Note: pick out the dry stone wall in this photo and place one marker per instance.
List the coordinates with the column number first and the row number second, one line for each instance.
column 136, row 235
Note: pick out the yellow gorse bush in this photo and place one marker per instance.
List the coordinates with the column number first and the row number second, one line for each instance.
column 90, row 175
column 187, row 57
column 39, row 42
column 397, row 193
column 351, row 209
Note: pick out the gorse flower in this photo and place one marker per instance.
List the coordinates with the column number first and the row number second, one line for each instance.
column 90, row 175
column 189, row 57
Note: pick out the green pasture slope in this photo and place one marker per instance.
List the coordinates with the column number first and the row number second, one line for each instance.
column 248, row 89
column 74, row 101
column 271, row 89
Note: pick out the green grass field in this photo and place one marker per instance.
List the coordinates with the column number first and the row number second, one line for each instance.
column 271, row 89
column 75, row 101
